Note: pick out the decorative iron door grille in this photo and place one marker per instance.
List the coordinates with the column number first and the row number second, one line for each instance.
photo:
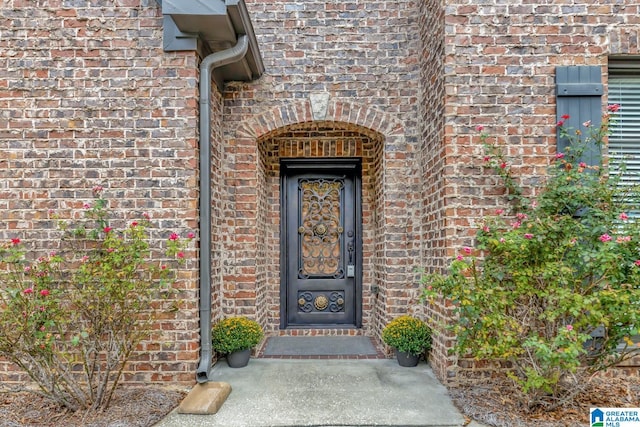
column 321, row 243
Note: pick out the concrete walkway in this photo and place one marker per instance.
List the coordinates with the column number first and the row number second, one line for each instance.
column 327, row 392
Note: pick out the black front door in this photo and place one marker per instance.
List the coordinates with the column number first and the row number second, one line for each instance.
column 321, row 243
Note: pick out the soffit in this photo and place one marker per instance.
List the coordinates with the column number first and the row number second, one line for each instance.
column 212, row 26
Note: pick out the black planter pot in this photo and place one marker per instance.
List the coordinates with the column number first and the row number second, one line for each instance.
column 406, row 359
column 239, row 359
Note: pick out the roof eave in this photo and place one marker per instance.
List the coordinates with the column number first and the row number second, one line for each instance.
column 209, row 27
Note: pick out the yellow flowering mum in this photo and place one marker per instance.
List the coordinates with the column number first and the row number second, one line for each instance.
column 234, row 334
column 408, row 335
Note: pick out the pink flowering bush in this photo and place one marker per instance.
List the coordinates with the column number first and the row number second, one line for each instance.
column 553, row 286
column 72, row 318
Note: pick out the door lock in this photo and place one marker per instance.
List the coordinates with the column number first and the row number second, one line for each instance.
column 351, row 271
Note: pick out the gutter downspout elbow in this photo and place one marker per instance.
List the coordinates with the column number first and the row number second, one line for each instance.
column 208, row 64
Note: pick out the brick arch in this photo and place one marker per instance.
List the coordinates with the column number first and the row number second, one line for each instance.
column 251, row 282
column 337, row 111
column 313, row 139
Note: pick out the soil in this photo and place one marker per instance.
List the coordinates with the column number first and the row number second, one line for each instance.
column 131, row 407
column 495, row 404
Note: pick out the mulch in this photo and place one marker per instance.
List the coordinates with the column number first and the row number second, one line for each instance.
column 131, row 407
column 497, row 403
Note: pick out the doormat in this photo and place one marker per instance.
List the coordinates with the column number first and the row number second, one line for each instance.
column 342, row 347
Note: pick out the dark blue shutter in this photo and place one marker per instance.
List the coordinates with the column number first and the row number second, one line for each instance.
column 579, row 94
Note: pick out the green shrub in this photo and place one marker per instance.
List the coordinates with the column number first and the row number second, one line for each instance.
column 408, row 335
column 554, row 287
column 72, row 318
column 234, row 334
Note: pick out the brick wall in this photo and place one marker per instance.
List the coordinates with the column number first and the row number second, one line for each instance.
column 361, row 55
column 499, row 72
column 88, row 97
column 218, row 201
column 291, row 132
column 92, row 99
column 433, row 236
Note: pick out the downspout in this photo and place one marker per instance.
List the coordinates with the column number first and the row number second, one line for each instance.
column 208, row 64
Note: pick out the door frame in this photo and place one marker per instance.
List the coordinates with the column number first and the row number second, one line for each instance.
column 289, row 167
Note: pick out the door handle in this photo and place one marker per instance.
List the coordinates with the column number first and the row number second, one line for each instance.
column 351, row 268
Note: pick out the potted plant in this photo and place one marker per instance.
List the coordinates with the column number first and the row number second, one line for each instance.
column 410, row 337
column 234, row 337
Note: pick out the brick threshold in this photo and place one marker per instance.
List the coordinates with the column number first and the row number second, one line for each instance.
column 324, row 356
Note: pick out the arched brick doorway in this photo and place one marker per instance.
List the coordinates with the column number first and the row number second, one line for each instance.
column 251, row 230
column 318, row 142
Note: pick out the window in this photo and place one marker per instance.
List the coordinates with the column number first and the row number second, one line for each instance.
column 624, row 141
